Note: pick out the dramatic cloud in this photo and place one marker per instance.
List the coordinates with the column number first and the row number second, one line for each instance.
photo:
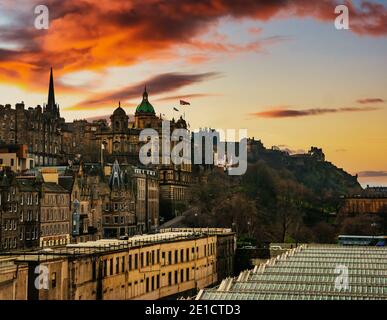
column 87, row 34
column 159, row 84
column 103, row 117
column 107, row 117
column 370, row 174
column 294, row 113
column 187, row 96
column 370, row 100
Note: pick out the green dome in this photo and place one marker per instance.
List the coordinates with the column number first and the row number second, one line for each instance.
column 145, row 106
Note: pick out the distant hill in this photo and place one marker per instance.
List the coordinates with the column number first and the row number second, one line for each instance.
column 282, row 197
column 309, row 169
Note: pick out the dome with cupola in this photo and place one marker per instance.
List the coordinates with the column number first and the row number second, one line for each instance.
column 145, row 106
column 119, row 111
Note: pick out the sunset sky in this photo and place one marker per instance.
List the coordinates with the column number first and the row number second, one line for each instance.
column 277, row 68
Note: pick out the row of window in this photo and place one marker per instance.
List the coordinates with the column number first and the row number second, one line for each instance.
column 47, row 215
column 119, row 206
column 10, row 224
column 152, row 257
column 30, row 234
column 54, row 214
column 29, row 216
column 55, row 199
column 28, row 198
column 153, row 283
column 55, row 229
column 152, row 193
column 119, row 220
column 179, row 194
column 12, row 162
column 56, row 242
column 10, row 243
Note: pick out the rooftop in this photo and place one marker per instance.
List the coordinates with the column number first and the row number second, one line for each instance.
column 309, row 272
column 53, row 187
column 111, row 245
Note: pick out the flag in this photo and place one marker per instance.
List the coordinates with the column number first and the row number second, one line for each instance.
column 184, row 103
column 175, row 109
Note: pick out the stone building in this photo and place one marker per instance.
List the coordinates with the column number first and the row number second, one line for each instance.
column 364, row 205
column 121, row 142
column 28, row 191
column 79, row 141
column 88, row 191
column 55, row 215
column 226, row 247
column 9, row 234
column 20, row 212
column 147, row 199
column 47, row 140
column 172, row 264
column 119, row 210
column 371, row 200
column 16, row 157
column 38, row 128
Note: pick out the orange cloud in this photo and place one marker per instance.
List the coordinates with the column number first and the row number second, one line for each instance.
column 372, row 174
column 158, row 84
column 91, row 34
column 370, row 100
column 187, row 96
column 294, row 113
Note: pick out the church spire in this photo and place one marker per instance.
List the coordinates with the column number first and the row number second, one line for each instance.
column 51, row 95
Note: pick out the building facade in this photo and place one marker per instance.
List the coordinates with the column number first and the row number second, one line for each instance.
column 364, row 205
column 28, row 191
column 16, row 157
column 39, row 137
column 147, row 199
column 119, row 210
column 121, row 142
column 9, row 233
column 170, row 264
column 371, row 200
column 55, row 215
column 38, row 128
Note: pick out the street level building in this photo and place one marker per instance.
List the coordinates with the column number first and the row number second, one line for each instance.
column 172, row 263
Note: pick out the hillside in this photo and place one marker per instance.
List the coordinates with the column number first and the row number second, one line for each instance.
column 309, row 169
column 281, row 197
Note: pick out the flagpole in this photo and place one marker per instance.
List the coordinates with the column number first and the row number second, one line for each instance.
column 102, row 148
